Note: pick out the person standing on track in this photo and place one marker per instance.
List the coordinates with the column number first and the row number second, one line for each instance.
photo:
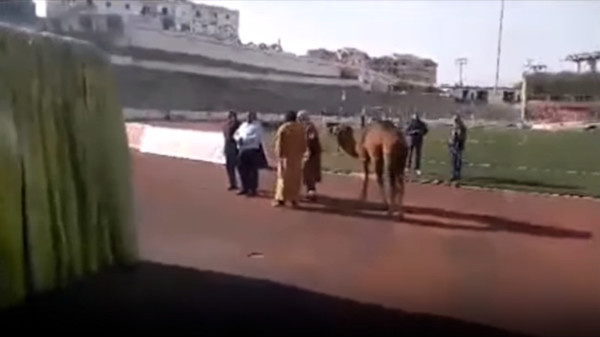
column 230, row 149
column 311, row 169
column 290, row 146
column 416, row 131
column 456, row 145
column 249, row 139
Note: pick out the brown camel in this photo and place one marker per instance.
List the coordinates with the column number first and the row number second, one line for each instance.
column 382, row 143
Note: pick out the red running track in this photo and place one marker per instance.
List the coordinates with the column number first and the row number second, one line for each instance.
column 511, row 260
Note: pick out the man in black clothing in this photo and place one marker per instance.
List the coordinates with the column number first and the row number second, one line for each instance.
column 230, row 150
column 416, row 131
column 456, row 145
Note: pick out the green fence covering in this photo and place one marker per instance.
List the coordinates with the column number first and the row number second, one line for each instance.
column 65, row 179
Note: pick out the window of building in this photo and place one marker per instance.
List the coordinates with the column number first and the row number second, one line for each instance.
column 227, row 17
column 90, row 2
column 127, row 6
column 165, row 11
column 108, row 4
column 145, row 10
column 198, row 14
column 168, row 23
column 85, row 21
column 215, row 15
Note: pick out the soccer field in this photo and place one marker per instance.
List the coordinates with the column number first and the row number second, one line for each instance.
column 556, row 162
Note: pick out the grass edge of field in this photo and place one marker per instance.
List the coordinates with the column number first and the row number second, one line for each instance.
column 431, row 179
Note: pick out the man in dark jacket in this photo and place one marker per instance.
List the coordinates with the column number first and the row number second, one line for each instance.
column 416, row 131
column 456, row 145
column 230, row 149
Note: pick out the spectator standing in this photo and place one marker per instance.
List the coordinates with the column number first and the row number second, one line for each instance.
column 456, row 144
column 311, row 169
column 416, row 131
column 290, row 146
column 230, row 149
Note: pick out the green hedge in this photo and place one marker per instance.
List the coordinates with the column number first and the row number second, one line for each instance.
column 65, row 178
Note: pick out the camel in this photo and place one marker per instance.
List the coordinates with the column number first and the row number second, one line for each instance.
column 384, row 145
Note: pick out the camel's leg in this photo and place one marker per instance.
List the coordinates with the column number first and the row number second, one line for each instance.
column 401, row 187
column 379, row 166
column 400, row 197
column 392, row 168
column 365, row 183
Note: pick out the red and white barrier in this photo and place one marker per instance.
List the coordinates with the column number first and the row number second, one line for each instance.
column 179, row 143
column 134, row 134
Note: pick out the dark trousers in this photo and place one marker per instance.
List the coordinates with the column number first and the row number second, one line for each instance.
column 231, row 163
column 414, row 151
column 263, row 163
column 249, row 162
column 456, row 163
column 310, row 185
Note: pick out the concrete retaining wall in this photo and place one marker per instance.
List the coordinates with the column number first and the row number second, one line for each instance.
column 562, row 112
column 157, row 91
column 189, row 44
column 227, row 73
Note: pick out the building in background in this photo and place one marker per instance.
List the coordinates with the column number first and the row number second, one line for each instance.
column 400, row 67
column 18, row 12
column 208, row 20
column 323, row 54
column 178, row 26
column 175, row 15
column 406, row 67
column 353, row 57
column 482, row 94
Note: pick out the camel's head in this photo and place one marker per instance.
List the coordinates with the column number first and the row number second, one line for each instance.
column 345, row 138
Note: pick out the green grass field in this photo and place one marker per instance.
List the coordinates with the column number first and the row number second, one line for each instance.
column 556, row 162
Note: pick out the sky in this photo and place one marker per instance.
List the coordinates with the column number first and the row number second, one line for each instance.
column 544, row 31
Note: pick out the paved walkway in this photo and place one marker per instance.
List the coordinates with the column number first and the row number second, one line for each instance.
column 515, row 261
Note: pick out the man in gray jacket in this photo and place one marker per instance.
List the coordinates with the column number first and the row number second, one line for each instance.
column 416, row 131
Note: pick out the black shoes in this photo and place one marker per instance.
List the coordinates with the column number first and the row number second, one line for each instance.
column 247, row 193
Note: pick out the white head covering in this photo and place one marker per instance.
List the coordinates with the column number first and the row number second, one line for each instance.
column 303, row 115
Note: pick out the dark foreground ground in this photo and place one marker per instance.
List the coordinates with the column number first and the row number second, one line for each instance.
column 519, row 262
column 154, row 299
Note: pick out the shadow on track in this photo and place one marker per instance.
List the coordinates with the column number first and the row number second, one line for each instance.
column 153, row 299
column 488, row 223
column 520, row 182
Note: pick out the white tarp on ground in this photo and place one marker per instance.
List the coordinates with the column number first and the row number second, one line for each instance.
column 188, row 144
